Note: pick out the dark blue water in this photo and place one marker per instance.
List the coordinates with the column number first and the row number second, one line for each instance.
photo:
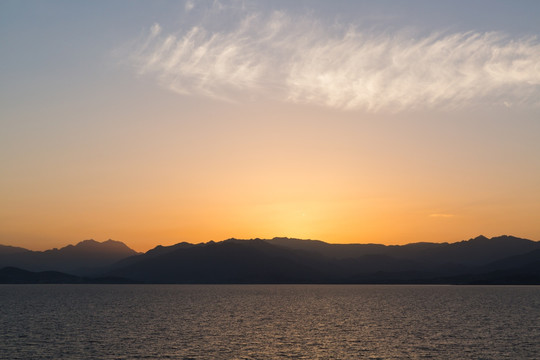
column 269, row 322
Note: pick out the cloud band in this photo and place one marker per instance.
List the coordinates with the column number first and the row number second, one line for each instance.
column 303, row 61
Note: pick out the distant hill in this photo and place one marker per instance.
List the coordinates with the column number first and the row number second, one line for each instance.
column 477, row 251
column 499, row 260
column 283, row 260
column 86, row 257
column 12, row 275
column 8, row 250
column 480, row 250
column 157, row 251
column 230, row 261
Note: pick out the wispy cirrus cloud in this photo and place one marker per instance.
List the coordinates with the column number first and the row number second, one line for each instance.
column 301, row 60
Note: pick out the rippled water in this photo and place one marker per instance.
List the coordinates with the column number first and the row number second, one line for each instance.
column 269, row 322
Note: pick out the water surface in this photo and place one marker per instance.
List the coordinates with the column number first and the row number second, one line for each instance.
column 269, row 322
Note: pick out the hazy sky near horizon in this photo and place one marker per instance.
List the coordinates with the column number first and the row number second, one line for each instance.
column 345, row 121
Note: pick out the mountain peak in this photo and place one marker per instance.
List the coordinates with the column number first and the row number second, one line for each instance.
column 111, row 241
column 88, row 242
column 80, row 257
column 498, row 239
column 107, row 244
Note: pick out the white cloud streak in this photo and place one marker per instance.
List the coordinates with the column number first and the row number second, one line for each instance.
column 303, row 61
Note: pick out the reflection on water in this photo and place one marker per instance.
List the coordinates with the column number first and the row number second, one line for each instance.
column 269, row 322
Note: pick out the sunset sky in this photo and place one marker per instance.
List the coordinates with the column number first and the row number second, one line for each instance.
column 156, row 122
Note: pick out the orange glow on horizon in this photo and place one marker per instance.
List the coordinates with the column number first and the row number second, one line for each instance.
column 294, row 172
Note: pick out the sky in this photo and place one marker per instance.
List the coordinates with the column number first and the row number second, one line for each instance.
column 156, row 122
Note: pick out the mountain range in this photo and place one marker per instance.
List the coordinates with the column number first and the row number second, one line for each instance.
column 499, row 260
column 86, row 257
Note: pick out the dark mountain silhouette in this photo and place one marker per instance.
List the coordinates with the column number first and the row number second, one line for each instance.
column 12, row 275
column 499, row 260
column 513, row 262
column 84, row 258
column 477, row 251
column 7, row 250
column 157, row 251
column 283, row 260
column 229, row 261
column 519, row 269
column 480, row 250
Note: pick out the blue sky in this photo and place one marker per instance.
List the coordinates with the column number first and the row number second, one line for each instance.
column 65, row 43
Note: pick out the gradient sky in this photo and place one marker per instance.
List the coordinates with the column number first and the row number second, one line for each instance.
column 359, row 121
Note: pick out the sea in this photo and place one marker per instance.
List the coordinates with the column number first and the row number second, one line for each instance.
column 269, row 322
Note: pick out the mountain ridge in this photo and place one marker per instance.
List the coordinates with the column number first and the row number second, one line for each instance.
column 13, row 275
column 83, row 258
column 505, row 259
column 284, row 260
